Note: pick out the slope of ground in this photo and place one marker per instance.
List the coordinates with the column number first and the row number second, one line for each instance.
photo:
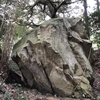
column 96, row 69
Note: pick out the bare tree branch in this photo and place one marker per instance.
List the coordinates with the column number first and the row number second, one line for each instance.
column 51, row 5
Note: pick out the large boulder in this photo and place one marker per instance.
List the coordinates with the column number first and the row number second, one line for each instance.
column 55, row 56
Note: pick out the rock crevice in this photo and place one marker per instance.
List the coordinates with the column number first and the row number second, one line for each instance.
column 52, row 58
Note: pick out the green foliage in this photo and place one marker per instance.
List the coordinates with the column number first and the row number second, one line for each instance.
column 20, row 30
column 96, row 39
column 19, row 95
column 94, row 21
column 98, row 97
column 6, row 96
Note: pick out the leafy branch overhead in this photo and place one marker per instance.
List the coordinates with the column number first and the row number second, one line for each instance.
column 50, row 7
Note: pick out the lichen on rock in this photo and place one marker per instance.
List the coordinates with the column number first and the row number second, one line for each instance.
column 52, row 58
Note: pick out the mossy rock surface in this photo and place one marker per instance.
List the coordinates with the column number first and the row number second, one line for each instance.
column 52, row 59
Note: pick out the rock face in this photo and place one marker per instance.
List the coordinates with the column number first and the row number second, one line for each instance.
column 55, row 58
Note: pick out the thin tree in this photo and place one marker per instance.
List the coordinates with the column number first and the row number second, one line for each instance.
column 97, row 2
column 86, row 16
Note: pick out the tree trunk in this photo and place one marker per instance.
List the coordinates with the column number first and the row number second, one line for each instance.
column 52, row 58
column 86, row 17
column 97, row 1
column 6, row 50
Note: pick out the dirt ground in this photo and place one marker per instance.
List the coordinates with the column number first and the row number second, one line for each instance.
column 96, row 69
column 15, row 92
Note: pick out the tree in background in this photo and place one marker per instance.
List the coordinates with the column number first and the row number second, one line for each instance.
column 97, row 2
column 86, row 17
column 94, row 25
column 94, row 20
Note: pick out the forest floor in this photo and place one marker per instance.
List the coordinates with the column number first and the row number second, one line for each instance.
column 17, row 92
column 96, row 69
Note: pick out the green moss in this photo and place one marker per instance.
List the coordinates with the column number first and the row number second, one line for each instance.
column 23, row 42
column 51, row 21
